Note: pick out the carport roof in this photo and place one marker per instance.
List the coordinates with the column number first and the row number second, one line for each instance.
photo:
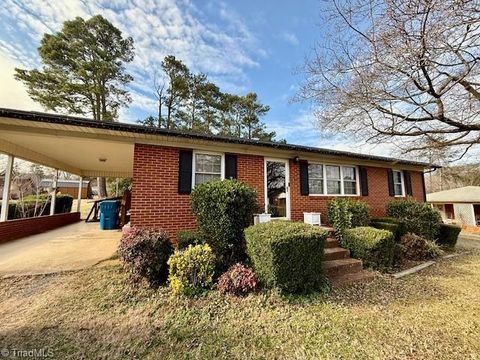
column 466, row 194
column 80, row 145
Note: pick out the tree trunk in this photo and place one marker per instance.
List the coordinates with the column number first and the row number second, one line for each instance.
column 102, row 187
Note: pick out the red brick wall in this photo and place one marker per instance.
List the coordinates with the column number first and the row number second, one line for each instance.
column 157, row 204
column 16, row 229
column 377, row 193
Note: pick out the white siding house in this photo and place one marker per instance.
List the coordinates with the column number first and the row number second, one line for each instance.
column 460, row 206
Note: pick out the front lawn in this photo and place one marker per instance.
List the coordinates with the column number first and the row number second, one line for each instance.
column 95, row 314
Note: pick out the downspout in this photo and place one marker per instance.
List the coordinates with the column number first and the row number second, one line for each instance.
column 433, row 169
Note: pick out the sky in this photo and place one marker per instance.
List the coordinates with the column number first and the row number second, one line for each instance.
column 242, row 46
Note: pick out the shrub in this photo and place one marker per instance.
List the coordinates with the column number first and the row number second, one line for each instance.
column 401, row 230
column 25, row 207
column 392, row 227
column 420, row 218
column 339, row 217
column 287, row 255
column 187, row 237
column 375, row 247
column 415, row 247
column 145, row 254
column 224, row 209
column 448, row 235
column 191, row 271
column 238, row 280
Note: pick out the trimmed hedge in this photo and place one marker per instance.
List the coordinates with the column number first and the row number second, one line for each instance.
column 375, row 247
column 145, row 254
column 402, row 227
column 345, row 213
column 420, row 218
column 287, row 255
column 448, row 235
column 224, row 208
column 393, row 228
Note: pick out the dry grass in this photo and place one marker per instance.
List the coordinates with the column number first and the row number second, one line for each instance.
column 85, row 207
column 95, row 314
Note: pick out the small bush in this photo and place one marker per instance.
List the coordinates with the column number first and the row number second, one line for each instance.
column 238, row 280
column 393, row 228
column 415, row 247
column 33, row 205
column 375, row 247
column 287, row 255
column 340, row 217
column 420, row 218
column 448, row 236
column 145, row 254
column 187, row 237
column 191, row 271
column 224, row 209
column 401, row 230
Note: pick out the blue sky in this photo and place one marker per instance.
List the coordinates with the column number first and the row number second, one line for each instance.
column 242, row 45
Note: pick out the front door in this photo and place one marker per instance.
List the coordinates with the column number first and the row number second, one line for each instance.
column 277, row 188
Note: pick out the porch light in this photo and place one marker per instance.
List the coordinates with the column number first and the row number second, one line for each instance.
column 102, row 159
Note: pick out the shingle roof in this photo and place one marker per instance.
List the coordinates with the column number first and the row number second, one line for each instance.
column 466, row 194
column 84, row 122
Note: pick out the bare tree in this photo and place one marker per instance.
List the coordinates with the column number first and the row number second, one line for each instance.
column 405, row 71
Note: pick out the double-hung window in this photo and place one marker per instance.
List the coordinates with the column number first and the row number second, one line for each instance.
column 332, row 180
column 398, row 183
column 315, row 179
column 207, row 167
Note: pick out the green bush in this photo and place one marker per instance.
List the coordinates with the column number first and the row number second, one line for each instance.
column 145, row 253
column 415, row 247
column 392, row 227
column 224, row 209
column 340, row 218
column 448, row 235
column 375, row 247
column 25, row 208
column 191, row 271
column 420, row 218
column 401, row 230
column 287, row 255
column 188, row 237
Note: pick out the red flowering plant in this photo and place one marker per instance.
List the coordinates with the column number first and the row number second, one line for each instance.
column 237, row 280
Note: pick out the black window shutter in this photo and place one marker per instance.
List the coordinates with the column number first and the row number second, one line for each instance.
column 185, row 172
column 230, row 166
column 363, row 181
column 304, row 177
column 408, row 183
column 391, row 187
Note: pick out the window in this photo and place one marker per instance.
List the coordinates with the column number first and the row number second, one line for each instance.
column 207, row 167
column 332, row 180
column 315, row 179
column 398, row 182
column 349, row 180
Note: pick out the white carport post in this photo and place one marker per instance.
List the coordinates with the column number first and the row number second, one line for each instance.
column 54, row 193
column 6, row 188
column 79, row 196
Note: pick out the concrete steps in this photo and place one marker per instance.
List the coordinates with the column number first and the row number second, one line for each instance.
column 340, row 268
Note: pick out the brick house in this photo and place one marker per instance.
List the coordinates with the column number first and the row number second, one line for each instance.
column 166, row 164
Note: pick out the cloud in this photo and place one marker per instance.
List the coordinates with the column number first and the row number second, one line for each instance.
column 224, row 50
column 290, row 38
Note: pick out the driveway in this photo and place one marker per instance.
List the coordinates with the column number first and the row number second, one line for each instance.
column 469, row 241
column 71, row 247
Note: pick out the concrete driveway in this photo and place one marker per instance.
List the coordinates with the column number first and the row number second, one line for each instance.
column 469, row 241
column 71, row 247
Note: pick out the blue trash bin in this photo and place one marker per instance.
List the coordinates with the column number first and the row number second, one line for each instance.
column 108, row 215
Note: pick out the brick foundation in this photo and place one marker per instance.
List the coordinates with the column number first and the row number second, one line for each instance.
column 16, row 229
column 157, row 204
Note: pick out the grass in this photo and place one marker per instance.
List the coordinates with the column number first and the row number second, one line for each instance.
column 85, row 207
column 96, row 314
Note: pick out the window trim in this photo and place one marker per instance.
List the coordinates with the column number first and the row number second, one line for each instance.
column 342, row 188
column 222, row 164
column 287, row 186
column 402, row 180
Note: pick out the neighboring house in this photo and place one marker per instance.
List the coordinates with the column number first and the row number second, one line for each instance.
column 69, row 187
column 166, row 164
column 461, row 205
